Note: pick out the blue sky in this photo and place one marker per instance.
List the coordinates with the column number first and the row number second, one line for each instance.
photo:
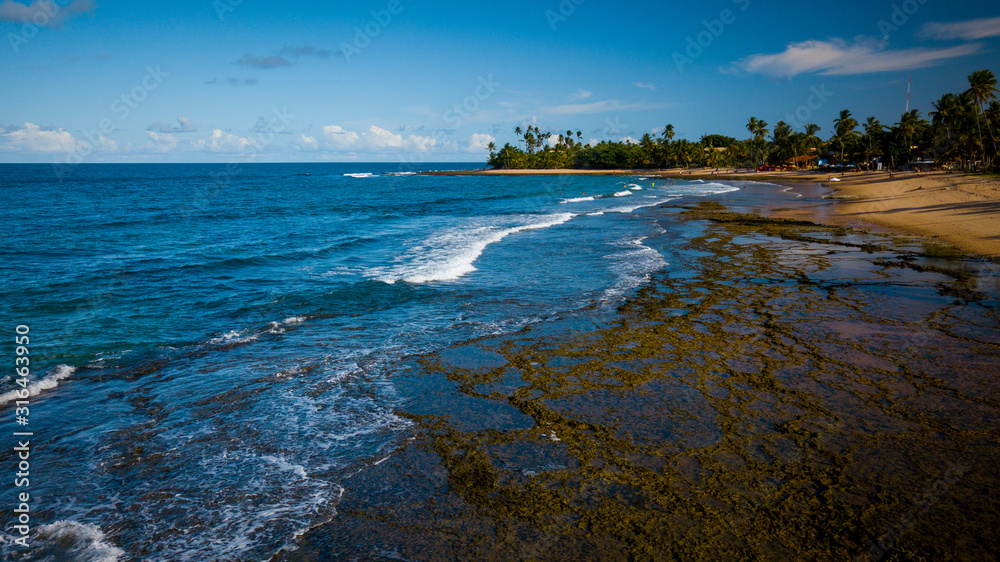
column 396, row 80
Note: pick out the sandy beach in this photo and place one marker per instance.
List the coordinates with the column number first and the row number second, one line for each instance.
column 957, row 208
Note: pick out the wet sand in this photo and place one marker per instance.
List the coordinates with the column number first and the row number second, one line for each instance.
column 783, row 390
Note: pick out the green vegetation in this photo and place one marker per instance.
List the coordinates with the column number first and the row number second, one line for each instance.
column 962, row 134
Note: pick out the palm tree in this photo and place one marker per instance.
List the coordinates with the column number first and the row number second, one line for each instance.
column 668, row 133
column 983, row 89
column 647, row 145
column 807, row 140
column 492, row 147
column 758, row 132
column 910, row 123
column 946, row 112
column 872, row 129
column 739, row 153
column 752, row 125
column 784, row 141
column 844, row 127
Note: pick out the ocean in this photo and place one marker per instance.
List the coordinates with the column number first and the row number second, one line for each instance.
column 214, row 351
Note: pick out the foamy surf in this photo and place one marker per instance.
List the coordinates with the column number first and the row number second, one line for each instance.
column 48, row 382
column 634, row 266
column 576, row 200
column 645, row 202
column 623, row 194
column 450, row 255
column 361, row 175
column 714, row 188
column 69, row 540
column 233, row 336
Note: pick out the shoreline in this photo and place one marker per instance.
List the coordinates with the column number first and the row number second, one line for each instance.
column 774, row 361
column 960, row 209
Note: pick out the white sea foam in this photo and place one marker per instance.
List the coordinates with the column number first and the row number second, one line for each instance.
column 634, row 264
column 292, row 320
column 576, row 200
column 283, row 464
column 401, row 174
column 48, row 382
column 716, row 187
column 233, row 336
column 451, row 254
column 69, row 540
column 623, row 194
column 646, row 202
column 632, row 186
column 361, row 175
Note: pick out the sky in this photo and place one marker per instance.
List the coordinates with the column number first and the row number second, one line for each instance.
column 88, row 81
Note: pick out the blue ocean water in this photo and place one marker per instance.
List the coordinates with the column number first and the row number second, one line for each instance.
column 214, row 352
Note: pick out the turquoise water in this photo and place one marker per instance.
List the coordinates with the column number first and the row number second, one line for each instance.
column 214, row 353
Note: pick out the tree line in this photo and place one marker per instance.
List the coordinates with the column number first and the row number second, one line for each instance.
column 963, row 132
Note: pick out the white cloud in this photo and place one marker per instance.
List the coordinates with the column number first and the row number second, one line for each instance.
column 306, row 143
column 221, row 141
column 836, row 57
column 598, row 107
column 645, row 85
column 969, row 30
column 44, row 13
column 553, row 140
column 594, row 142
column 162, row 142
column 379, row 138
column 340, row 138
column 479, row 142
column 375, row 139
column 37, row 140
column 628, row 140
column 420, row 143
column 580, row 95
column 31, row 138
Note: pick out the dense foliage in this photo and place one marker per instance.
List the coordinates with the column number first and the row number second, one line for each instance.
column 963, row 132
